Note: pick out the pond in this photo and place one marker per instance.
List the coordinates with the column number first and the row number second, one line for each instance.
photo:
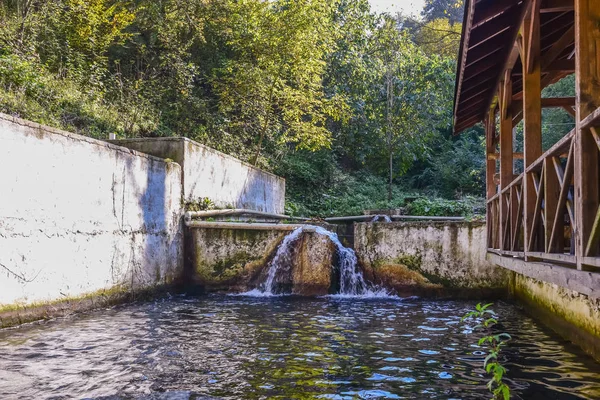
column 235, row 347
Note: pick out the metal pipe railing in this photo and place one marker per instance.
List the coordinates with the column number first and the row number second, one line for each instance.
column 395, row 217
column 257, row 226
column 238, row 211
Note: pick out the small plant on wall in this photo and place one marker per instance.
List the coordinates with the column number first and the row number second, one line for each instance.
column 486, row 319
column 202, row 204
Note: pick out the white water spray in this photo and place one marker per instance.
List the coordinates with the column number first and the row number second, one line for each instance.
column 283, row 254
column 352, row 282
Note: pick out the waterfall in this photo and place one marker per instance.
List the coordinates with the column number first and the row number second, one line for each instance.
column 283, row 254
column 351, row 284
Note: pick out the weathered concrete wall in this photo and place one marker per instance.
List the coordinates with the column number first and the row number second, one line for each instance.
column 436, row 258
column 78, row 215
column 572, row 314
column 237, row 260
column 227, row 181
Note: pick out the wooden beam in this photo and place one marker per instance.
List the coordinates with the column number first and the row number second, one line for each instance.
column 484, row 14
column 532, row 115
column 550, row 78
column 566, row 66
column 584, row 282
column 496, row 156
column 557, row 226
column 587, row 88
column 533, row 38
column 518, row 117
column 571, row 111
column 506, row 94
column 558, row 47
column 483, row 66
column 490, row 171
column 551, row 196
column 554, row 6
column 592, row 120
column 506, row 156
column 463, row 51
column 548, row 102
column 490, row 49
column 490, row 29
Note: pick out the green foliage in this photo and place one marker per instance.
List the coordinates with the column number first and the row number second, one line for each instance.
column 447, row 9
column 203, row 204
column 466, row 207
column 495, row 342
column 456, row 167
column 345, row 104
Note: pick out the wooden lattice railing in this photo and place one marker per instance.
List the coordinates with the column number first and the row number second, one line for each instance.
column 549, row 230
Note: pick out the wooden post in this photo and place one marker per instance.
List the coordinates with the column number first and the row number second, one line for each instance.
column 490, row 171
column 506, row 154
column 587, row 76
column 551, row 195
column 532, row 113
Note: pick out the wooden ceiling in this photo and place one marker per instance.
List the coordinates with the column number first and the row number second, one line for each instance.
column 488, row 47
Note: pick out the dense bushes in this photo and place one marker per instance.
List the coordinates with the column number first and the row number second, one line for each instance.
column 323, row 92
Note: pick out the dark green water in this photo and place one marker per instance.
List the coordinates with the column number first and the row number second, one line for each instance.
column 287, row 348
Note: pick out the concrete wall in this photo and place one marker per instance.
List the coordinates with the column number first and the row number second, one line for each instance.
column 429, row 257
column 78, row 215
column 572, row 314
column 227, row 181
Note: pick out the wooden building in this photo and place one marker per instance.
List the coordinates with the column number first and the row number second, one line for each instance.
column 548, row 215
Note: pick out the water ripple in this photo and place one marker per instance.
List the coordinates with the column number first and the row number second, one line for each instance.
column 283, row 347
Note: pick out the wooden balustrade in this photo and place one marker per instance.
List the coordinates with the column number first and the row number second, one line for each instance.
column 550, row 234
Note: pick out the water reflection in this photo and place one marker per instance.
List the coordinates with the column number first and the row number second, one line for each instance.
column 259, row 348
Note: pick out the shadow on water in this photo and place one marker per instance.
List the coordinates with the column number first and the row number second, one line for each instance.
column 256, row 348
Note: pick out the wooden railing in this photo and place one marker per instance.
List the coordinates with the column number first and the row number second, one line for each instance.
column 549, row 233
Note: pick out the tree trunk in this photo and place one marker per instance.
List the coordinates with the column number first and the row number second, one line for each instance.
column 391, row 175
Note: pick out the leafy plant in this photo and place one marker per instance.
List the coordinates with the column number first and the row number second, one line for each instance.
column 203, row 204
column 495, row 342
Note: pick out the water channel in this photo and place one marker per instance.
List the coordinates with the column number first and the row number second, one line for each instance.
column 236, row 347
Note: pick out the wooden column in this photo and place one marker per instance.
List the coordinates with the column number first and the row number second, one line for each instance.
column 532, row 110
column 587, row 73
column 506, row 155
column 490, row 172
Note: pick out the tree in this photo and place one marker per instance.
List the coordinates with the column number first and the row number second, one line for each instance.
column 271, row 88
column 452, row 10
column 440, row 37
column 412, row 102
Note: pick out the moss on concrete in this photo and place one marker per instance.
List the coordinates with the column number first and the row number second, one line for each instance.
column 20, row 313
column 574, row 316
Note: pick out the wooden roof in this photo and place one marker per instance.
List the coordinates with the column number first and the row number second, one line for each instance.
column 488, row 47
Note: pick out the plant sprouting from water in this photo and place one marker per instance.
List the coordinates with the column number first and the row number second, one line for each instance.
column 487, row 318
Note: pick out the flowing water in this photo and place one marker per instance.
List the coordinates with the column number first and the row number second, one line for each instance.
column 352, row 282
column 381, row 218
column 284, row 348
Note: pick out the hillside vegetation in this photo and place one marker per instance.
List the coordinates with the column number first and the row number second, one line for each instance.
column 354, row 109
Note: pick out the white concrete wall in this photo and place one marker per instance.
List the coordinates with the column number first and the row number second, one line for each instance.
column 78, row 215
column 227, row 181
column 454, row 252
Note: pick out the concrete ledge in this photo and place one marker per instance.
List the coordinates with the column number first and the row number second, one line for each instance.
column 584, row 282
column 22, row 314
